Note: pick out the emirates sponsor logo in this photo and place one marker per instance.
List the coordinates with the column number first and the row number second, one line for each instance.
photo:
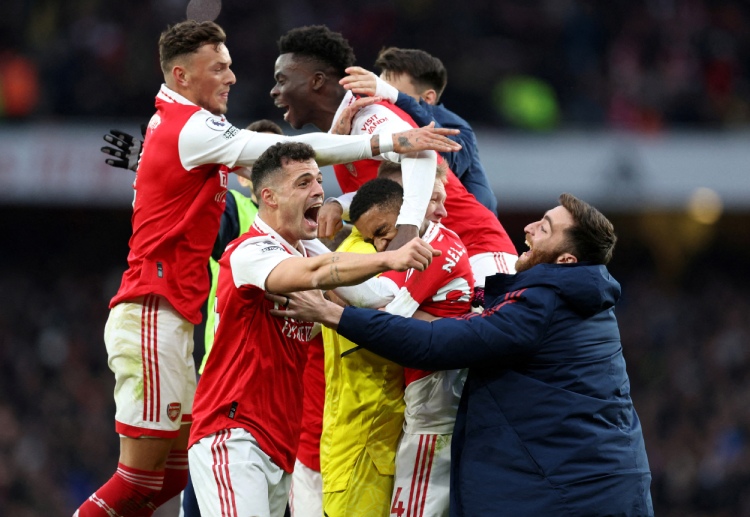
column 173, row 411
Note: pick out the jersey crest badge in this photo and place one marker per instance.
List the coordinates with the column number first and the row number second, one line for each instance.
column 173, row 411
column 351, row 168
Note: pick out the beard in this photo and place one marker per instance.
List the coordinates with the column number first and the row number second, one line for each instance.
column 534, row 257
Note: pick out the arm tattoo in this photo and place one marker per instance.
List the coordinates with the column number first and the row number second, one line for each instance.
column 335, row 275
column 334, row 270
column 375, row 145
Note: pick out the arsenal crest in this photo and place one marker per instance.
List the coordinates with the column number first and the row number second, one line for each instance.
column 351, row 168
column 173, row 410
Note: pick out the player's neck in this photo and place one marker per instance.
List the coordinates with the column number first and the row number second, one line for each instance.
column 328, row 109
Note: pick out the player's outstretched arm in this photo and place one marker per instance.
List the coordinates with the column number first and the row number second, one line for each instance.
column 332, row 270
column 428, row 138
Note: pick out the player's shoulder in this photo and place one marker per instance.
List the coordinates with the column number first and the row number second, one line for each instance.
column 375, row 118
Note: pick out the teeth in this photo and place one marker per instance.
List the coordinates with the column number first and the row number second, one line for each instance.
column 528, row 244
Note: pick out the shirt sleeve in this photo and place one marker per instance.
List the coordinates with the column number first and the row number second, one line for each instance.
column 254, row 259
column 314, row 247
column 206, row 138
column 514, row 326
column 374, row 293
column 418, row 169
column 424, row 113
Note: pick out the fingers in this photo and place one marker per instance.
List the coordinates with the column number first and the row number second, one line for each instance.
column 125, row 137
column 279, row 299
column 113, row 152
column 364, row 101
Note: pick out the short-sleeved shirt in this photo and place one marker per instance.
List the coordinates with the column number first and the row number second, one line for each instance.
column 253, row 377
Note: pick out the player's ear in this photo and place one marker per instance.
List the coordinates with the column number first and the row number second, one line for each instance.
column 180, row 75
column 430, row 96
column 566, row 258
column 268, row 196
column 319, row 79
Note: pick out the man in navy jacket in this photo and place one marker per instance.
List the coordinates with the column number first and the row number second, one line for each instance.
column 546, row 426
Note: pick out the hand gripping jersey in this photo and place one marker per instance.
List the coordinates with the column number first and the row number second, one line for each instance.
column 253, row 377
column 478, row 227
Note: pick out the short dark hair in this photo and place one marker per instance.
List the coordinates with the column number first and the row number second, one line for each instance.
column 321, row 44
column 426, row 71
column 592, row 237
column 185, row 38
column 381, row 192
column 265, row 126
column 270, row 162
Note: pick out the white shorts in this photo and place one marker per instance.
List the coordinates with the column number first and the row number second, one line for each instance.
column 306, row 494
column 150, row 350
column 233, row 477
column 490, row 263
column 423, row 471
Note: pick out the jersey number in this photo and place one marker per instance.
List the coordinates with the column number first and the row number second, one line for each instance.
column 397, row 507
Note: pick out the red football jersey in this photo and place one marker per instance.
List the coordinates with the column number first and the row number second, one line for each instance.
column 444, row 289
column 253, row 376
column 176, row 213
column 312, row 405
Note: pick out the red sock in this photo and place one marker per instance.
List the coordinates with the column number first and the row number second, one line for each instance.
column 175, row 479
column 125, row 494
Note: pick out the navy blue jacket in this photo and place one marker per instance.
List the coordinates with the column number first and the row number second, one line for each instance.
column 464, row 163
column 546, row 426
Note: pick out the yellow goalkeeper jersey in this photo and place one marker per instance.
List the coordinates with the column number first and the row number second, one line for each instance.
column 364, row 404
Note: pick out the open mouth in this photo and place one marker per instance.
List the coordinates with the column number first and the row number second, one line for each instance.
column 311, row 214
column 284, row 107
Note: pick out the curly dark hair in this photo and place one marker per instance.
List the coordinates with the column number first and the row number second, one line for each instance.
column 592, row 237
column 426, row 71
column 319, row 43
column 380, row 192
column 185, row 38
column 270, row 162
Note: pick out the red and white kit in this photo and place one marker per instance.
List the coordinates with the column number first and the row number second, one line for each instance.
column 248, row 406
column 443, row 289
column 418, row 169
column 179, row 198
column 490, row 249
column 306, row 494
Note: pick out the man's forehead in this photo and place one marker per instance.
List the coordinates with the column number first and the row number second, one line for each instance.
column 559, row 216
column 376, row 220
column 300, row 167
column 290, row 62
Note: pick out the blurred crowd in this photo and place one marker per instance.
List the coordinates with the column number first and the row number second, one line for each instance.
column 685, row 344
column 640, row 65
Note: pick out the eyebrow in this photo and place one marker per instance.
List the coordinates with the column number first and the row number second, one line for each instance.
column 549, row 220
column 305, row 175
column 381, row 230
